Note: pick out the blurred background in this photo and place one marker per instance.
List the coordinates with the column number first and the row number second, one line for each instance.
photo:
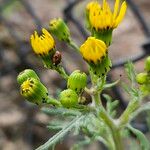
column 22, row 125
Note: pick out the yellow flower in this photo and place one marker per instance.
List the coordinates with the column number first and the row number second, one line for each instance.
column 43, row 44
column 93, row 50
column 102, row 17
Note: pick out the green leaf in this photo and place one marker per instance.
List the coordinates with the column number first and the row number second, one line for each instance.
column 144, row 143
column 129, row 68
column 111, row 105
column 110, row 85
column 56, row 125
column 79, row 145
column 144, row 107
column 60, row 111
column 57, row 137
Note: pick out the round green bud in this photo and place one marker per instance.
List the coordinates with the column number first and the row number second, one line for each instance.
column 68, row 98
column 59, row 29
column 24, row 75
column 147, row 64
column 141, row 78
column 34, row 91
column 77, row 81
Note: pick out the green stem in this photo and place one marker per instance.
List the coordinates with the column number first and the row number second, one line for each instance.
column 53, row 102
column 96, row 95
column 96, row 99
column 62, row 72
column 74, row 46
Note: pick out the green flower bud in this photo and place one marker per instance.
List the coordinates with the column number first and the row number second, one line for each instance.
column 68, row 98
column 34, row 91
column 141, row 78
column 77, row 81
column 24, row 75
column 147, row 64
column 59, row 29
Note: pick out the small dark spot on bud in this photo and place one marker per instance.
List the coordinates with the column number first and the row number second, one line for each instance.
column 47, row 94
column 102, row 74
column 31, row 81
column 43, row 100
column 103, row 57
column 120, row 75
column 91, row 61
column 31, row 85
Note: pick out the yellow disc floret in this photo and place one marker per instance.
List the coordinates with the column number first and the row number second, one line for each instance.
column 42, row 44
column 93, row 50
column 102, row 17
column 26, row 85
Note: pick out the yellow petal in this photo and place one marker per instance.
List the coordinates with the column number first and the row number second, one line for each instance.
column 121, row 14
column 116, row 8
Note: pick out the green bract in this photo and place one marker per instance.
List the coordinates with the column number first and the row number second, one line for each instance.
column 68, row 98
column 101, row 68
column 77, row 81
column 24, row 75
column 34, row 91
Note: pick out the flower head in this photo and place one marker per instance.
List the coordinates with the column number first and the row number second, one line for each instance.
column 42, row 45
column 34, row 91
column 59, row 29
column 93, row 50
column 24, row 75
column 101, row 17
column 77, row 81
column 68, row 98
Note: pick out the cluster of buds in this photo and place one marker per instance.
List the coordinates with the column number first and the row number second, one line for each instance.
column 144, row 78
column 76, row 83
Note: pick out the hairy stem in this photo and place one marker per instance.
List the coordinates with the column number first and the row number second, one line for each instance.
column 114, row 129
column 62, row 72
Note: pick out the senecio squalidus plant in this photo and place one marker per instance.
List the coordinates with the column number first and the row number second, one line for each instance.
column 93, row 120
